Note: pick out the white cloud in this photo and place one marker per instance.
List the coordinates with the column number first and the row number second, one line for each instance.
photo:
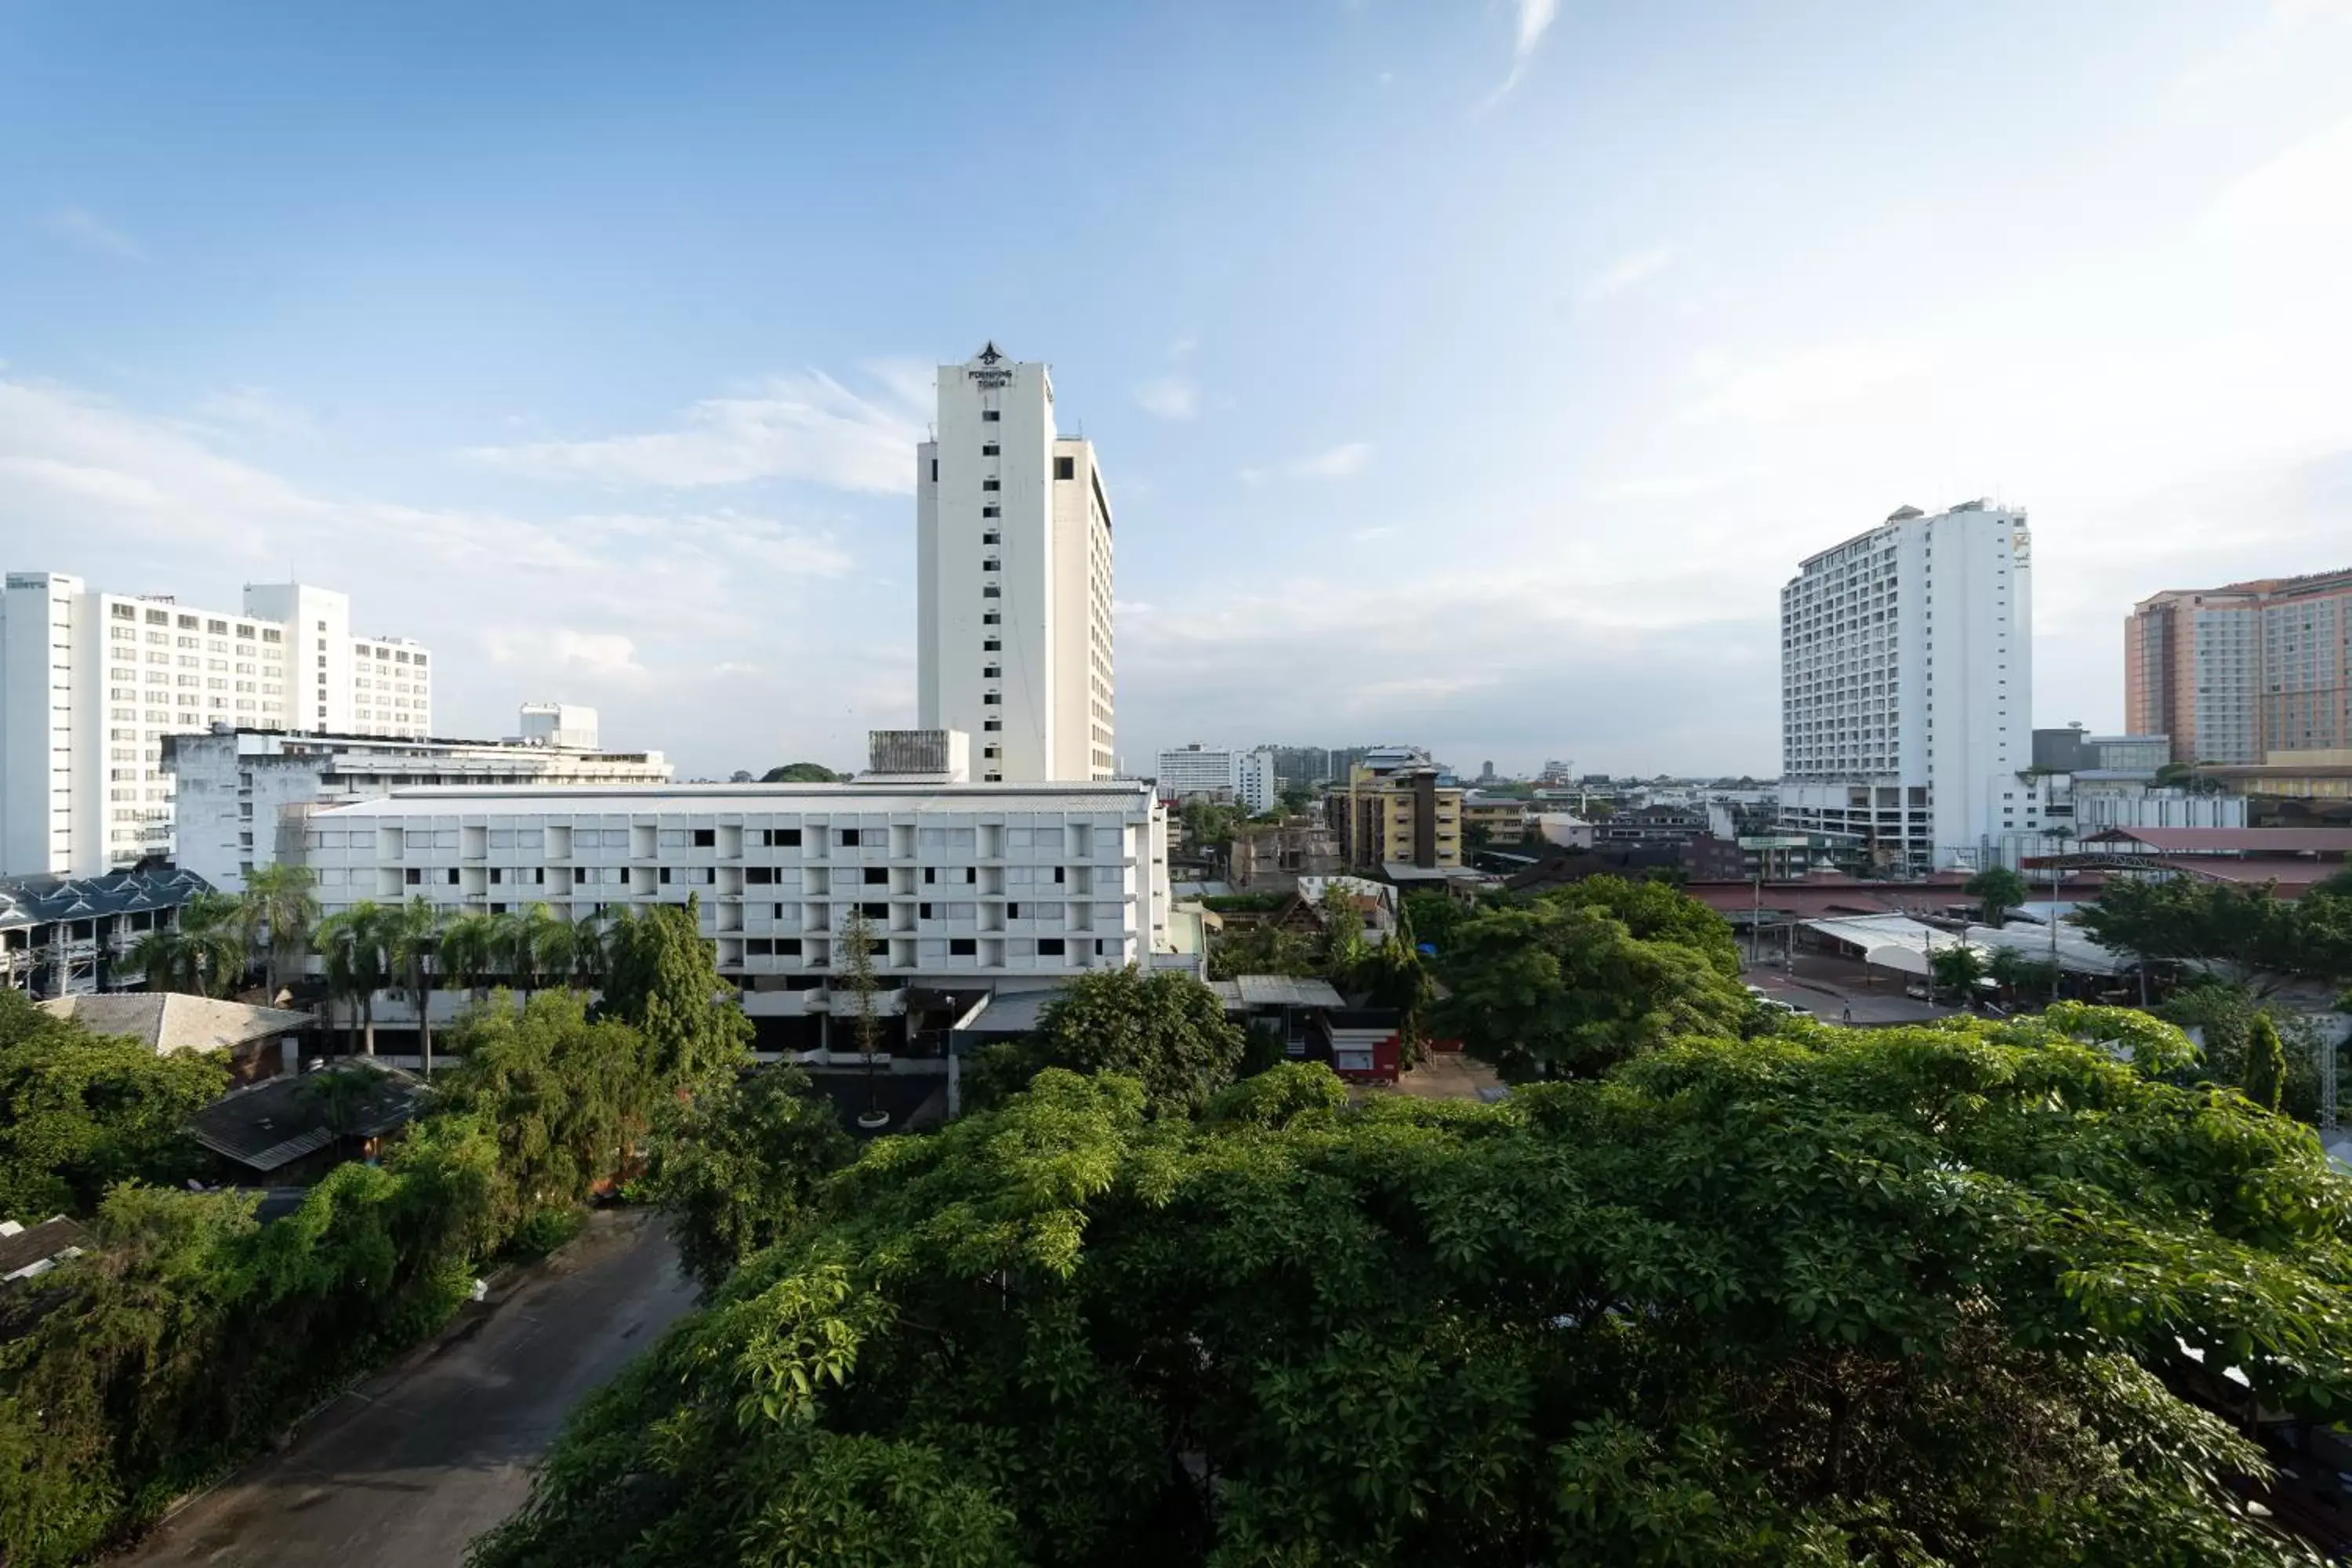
column 1338, row 463
column 1535, row 19
column 1367, row 535
column 630, row 610
column 805, row 426
column 1170, row 397
column 2304, row 192
column 1628, row 272
column 93, row 233
column 1810, row 385
column 252, row 408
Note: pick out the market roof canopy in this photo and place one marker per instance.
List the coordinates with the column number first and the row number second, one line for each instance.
column 1903, row 944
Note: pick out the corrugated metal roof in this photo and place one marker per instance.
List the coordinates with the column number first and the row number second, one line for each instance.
column 2233, row 840
column 1246, row 991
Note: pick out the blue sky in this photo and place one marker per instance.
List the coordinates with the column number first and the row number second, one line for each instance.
column 1469, row 374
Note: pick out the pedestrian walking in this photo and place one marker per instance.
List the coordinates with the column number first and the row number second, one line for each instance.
column 1845, row 1016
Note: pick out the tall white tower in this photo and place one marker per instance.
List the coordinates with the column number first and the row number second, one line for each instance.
column 1013, row 548
column 1907, row 686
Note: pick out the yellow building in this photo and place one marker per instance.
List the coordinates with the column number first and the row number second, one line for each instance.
column 1397, row 816
column 1506, row 818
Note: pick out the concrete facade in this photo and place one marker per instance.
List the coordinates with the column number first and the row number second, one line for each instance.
column 1012, row 529
column 1906, row 666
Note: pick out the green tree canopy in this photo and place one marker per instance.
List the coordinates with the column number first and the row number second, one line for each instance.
column 1564, row 988
column 1956, row 968
column 734, row 1166
column 567, row 1098
column 803, row 773
column 1999, row 889
column 1167, row 1030
column 2265, row 1074
column 663, row 979
column 80, row 1111
column 2245, row 934
column 1655, row 911
column 1900, row 1296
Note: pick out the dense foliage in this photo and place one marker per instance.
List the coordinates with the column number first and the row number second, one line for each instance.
column 80, row 1111
column 659, row 978
column 734, row 1166
column 1587, row 976
column 1997, row 889
column 1908, row 1296
column 2244, row 934
column 192, row 1333
column 1163, row 1028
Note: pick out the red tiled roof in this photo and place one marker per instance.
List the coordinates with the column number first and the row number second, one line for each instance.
column 2233, row 840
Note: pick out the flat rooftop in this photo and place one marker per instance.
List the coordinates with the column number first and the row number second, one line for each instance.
column 459, row 800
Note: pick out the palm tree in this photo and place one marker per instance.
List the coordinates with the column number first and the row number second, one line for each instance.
column 278, row 911
column 856, row 967
column 469, row 949
column 352, row 943
column 525, row 943
column 411, row 933
column 201, row 952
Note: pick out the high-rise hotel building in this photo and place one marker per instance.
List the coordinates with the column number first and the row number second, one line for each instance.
column 2234, row 673
column 1906, row 680
column 1013, row 559
column 90, row 682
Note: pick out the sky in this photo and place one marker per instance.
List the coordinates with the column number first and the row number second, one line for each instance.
column 1464, row 374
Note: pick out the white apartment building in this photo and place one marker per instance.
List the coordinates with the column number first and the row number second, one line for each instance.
column 1013, row 567
column 1002, row 887
column 345, row 684
column 1906, row 680
column 1219, row 773
column 90, row 682
column 244, row 796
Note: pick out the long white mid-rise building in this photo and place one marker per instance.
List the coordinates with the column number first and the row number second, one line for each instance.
column 243, row 797
column 1219, row 773
column 963, row 887
column 1014, row 561
column 1907, row 681
column 90, row 682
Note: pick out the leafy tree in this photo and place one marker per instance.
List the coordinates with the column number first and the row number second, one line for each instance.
column 2024, row 977
column 1434, row 917
column 1211, row 824
column 278, row 911
column 352, row 948
column 1260, row 950
column 803, row 773
column 1955, row 970
column 1340, row 947
column 1657, row 911
column 1999, row 889
column 1898, row 1296
column 2244, row 934
column 1564, row 989
column 1296, row 798
column 734, row 1167
column 665, row 983
column 201, row 952
column 2265, row 1074
column 567, row 1100
column 80, row 1111
column 1165, row 1029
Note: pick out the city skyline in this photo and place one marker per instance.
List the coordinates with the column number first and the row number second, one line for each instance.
column 1421, row 335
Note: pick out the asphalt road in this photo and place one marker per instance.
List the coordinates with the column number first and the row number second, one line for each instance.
column 409, row 1467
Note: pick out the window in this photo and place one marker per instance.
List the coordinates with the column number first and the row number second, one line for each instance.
column 990, row 618
column 876, row 875
column 935, row 470
column 1050, row 947
column 963, row 946
column 992, row 564
column 988, row 449
column 990, row 417
column 991, row 591
column 992, row 699
column 992, row 645
column 991, row 511
column 992, row 537
column 992, row 724
column 846, row 837
column 706, row 839
column 779, row 838
column 1012, row 911
column 755, row 874
column 1065, row 468
column 992, row 672
column 922, row 911
column 875, row 911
